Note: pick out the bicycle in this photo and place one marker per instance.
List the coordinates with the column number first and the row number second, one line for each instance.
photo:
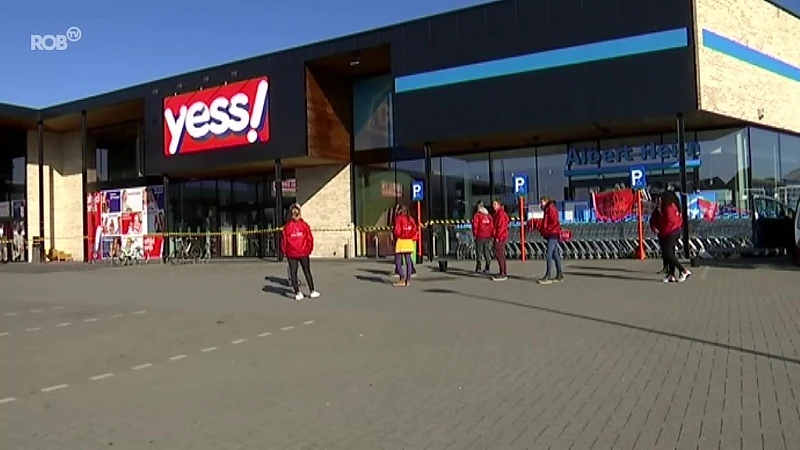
column 180, row 252
column 132, row 256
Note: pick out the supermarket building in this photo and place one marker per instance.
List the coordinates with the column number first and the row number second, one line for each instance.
column 570, row 93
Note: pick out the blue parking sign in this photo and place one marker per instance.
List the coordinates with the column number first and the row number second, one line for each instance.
column 638, row 177
column 521, row 184
column 417, row 191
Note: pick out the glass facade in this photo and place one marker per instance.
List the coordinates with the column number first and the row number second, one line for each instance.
column 730, row 167
column 116, row 154
column 231, row 212
column 13, row 145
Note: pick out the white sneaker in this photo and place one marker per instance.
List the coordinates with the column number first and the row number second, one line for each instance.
column 669, row 279
column 299, row 296
column 314, row 294
column 684, row 276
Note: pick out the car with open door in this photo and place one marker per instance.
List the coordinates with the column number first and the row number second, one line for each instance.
column 797, row 232
column 773, row 224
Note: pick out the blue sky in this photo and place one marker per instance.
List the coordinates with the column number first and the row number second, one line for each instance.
column 124, row 43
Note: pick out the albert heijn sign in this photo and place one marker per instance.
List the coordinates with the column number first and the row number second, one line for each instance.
column 217, row 118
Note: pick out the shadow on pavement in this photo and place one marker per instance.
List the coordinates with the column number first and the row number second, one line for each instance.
column 608, row 268
column 372, row 279
column 608, row 275
column 384, row 273
column 754, row 263
column 278, row 285
column 619, row 324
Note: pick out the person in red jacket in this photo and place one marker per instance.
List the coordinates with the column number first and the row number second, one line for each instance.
column 550, row 228
column 398, row 260
column 405, row 233
column 482, row 231
column 500, row 232
column 297, row 243
column 667, row 222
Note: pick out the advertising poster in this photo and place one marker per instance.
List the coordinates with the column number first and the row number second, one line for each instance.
column 126, row 220
column 154, row 222
column 132, row 200
column 131, row 223
column 94, row 226
column 111, row 201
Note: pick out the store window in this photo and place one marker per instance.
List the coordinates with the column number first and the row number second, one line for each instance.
column 509, row 163
column 789, row 192
column 724, row 169
column 13, row 144
column 617, row 155
column 377, row 193
column 551, row 180
column 765, row 161
column 372, row 113
column 118, row 153
column 464, row 181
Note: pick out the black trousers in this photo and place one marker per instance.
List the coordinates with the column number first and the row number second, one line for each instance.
column 663, row 256
column 668, row 244
column 305, row 264
column 483, row 251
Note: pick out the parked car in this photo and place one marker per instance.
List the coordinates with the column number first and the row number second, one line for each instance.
column 774, row 223
column 797, row 232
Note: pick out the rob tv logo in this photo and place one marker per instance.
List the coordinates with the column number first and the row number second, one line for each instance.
column 49, row 42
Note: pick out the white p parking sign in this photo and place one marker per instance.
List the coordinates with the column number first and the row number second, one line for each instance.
column 59, row 42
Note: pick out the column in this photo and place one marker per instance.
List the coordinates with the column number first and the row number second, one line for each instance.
column 167, row 219
column 428, row 236
column 40, row 239
column 278, row 206
column 84, row 150
column 684, row 197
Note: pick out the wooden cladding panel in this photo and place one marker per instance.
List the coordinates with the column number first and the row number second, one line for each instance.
column 328, row 115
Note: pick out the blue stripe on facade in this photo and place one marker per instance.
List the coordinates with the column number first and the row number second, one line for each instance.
column 579, row 54
column 750, row 56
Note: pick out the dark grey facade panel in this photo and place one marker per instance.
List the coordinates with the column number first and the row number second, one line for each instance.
column 509, row 28
column 630, row 88
column 18, row 112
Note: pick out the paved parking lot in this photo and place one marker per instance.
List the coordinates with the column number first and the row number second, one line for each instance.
column 218, row 357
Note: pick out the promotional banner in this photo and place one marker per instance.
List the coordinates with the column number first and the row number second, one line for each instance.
column 703, row 205
column 94, row 226
column 154, row 222
column 613, row 206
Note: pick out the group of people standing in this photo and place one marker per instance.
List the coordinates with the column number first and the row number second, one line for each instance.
column 491, row 232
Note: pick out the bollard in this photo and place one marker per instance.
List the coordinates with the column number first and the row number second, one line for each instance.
column 346, row 251
column 377, row 248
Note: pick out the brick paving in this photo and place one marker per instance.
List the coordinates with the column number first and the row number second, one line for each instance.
column 611, row 359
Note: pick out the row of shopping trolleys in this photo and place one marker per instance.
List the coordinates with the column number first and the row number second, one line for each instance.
column 617, row 248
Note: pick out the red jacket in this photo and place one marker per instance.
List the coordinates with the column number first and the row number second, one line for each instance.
column 482, row 226
column 297, row 240
column 666, row 222
column 549, row 226
column 501, row 222
column 405, row 227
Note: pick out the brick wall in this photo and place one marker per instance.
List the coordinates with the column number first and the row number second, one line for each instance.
column 736, row 89
column 63, row 212
column 324, row 194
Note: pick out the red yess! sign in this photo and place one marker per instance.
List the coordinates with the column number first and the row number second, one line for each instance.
column 216, row 118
